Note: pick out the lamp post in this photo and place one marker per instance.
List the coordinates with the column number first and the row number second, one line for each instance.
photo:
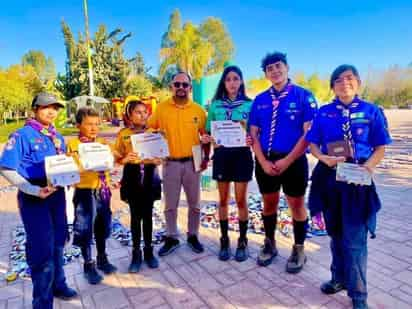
column 89, row 54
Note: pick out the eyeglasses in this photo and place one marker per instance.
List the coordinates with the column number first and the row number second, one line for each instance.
column 178, row 84
column 349, row 78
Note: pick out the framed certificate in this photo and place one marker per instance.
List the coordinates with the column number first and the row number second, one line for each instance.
column 353, row 173
column 95, row 157
column 61, row 171
column 150, row 145
column 228, row 133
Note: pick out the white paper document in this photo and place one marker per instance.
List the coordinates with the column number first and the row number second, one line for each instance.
column 150, row 145
column 95, row 157
column 61, row 170
column 353, row 173
column 228, row 133
column 197, row 157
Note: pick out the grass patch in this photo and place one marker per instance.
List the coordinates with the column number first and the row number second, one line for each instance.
column 7, row 129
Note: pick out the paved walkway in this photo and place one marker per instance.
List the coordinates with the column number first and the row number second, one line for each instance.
column 188, row 280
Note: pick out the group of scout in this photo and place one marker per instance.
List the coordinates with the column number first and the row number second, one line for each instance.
column 282, row 122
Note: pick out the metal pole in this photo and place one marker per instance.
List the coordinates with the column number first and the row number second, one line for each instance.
column 89, row 53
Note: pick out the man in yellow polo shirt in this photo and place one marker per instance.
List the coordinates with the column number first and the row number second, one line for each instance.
column 182, row 122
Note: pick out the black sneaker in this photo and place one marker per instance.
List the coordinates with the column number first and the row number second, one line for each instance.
column 331, row 287
column 91, row 274
column 171, row 244
column 136, row 262
column 65, row 293
column 150, row 259
column 194, row 243
column 241, row 250
column 359, row 304
column 104, row 265
column 224, row 253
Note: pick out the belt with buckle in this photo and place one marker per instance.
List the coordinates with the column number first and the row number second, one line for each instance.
column 184, row 159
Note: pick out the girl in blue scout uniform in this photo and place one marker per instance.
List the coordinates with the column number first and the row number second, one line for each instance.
column 349, row 210
column 42, row 208
column 140, row 185
column 279, row 119
column 91, row 201
column 231, row 164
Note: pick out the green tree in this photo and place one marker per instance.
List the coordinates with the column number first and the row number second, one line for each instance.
column 138, row 85
column 190, row 53
column 44, row 67
column 174, row 30
column 110, row 68
column 214, row 31
column 196, row 50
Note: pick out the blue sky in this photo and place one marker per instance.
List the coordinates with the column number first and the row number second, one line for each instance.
column 316, row 35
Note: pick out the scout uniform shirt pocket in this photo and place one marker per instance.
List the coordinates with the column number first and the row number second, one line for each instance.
column 39, row 149
column 360, row 126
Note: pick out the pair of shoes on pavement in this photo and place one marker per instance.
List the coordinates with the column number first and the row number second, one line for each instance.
column 241, row 253
column 137, row 259
column 269, row 251
column 171, row 244
column 92, row 275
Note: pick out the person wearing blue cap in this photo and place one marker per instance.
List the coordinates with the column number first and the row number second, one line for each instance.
column 42, row 207
column 279, row 119
column 352, row 130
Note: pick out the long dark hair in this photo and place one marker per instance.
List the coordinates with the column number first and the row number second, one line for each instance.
column 221, row 92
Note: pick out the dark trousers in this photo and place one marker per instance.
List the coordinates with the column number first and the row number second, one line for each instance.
column 141, row 217
column 92, row 215
column 349, row 257
column 140, row 194
column 45, row 224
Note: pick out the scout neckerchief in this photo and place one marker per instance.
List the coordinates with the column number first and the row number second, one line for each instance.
column 230, row 105
column 275, row 104
column 50, row 132
column 104, row 188
column 139, row 130
column 346, row 126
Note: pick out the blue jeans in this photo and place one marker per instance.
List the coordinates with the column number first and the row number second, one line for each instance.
column 349, row 258
column 92, row 216
column 45, row 224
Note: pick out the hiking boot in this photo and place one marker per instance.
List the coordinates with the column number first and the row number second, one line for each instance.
column 224, row 253
column 267, row 253
column 91, row 274
column 171, row 244
column 359, row 304
column 104, row 265
column 241, row 253
column 65, row 293
column 136, row 262
column 194, row 243
column 331, row 287
column 149, row 258
column 296, row 260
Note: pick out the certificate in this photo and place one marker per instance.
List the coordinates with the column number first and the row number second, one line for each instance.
column 353, row 173
column 150, row 145
column 228, row 133
column 61, row 171
column 95, row 157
